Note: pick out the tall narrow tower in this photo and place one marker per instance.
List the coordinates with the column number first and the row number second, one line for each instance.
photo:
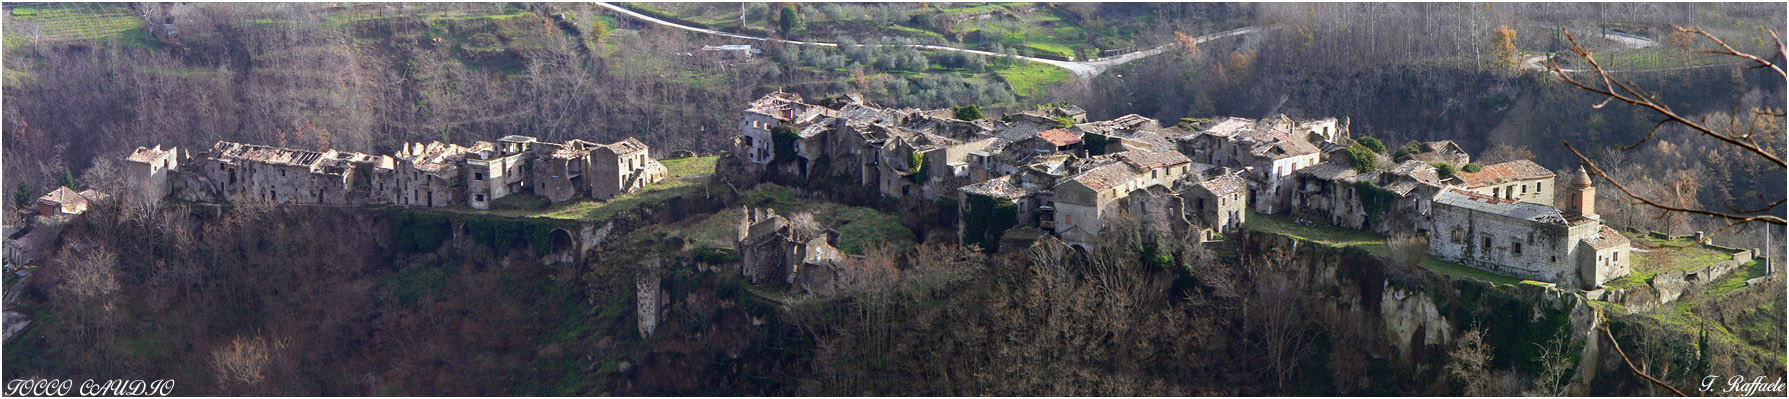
column 1580, row 198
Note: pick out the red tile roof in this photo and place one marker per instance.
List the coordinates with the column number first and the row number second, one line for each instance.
column 1107, row 176
column 63, row 196
column 1505, row 172
column 1153, row 159
column 1059, row 137
column 1606, row 238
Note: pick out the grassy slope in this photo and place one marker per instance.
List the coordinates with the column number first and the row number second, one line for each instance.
column 1342, row 237
column 1030, row 78
column 687, row 177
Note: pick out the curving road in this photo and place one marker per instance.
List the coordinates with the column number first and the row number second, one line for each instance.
column 1083, row 70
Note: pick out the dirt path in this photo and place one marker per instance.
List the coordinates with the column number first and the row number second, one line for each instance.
column 1085, row 71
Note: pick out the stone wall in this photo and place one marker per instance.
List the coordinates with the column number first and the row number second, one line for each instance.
column 1544, row 252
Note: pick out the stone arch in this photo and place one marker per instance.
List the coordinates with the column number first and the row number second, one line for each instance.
column 562, row 245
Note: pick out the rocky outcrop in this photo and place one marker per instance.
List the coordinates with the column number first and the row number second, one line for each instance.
column 1405, row 313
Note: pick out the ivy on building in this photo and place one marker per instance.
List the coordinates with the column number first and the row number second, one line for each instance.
column 783, row 137
column 986, row 219
column 1096, row 144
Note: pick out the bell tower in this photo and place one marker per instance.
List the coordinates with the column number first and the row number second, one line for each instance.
column 1580, row 197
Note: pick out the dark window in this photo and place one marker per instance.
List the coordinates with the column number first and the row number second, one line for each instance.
column 480, row 198
column 1516, row 248
column 1487, row 243
column 478, row 176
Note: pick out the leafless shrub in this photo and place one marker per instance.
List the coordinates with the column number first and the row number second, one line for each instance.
column 1408, row 250
column 245, row 360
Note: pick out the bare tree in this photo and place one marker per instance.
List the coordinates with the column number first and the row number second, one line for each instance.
column 1470, row 363
column 1738, row 132
column 804, row 226
column 1277, row 319
column 244, row 360
column 1555, row 361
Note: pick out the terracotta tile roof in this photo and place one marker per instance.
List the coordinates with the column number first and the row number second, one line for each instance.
column 146, row 155
column 1225, row 185
column 1106, row 176
column 1505, row 172
column 1282, row 148
column 627, row 146
column 997, row 188
column 63, row 196
column 1228, row 127
column 1328, row 171
column 1059, row 137
column 1606, row 238
column 1147, row 160
column 265, row 154
column 1418, row 170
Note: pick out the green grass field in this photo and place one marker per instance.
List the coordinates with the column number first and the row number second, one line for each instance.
column 69, row 21
column 1032, row 78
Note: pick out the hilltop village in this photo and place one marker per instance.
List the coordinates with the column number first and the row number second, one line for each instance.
column 1047, row 172
column 1051, row 172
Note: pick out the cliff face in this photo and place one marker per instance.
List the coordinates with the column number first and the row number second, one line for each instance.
column 356, row 302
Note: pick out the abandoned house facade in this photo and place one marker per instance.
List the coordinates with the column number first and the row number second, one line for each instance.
column 432, row 175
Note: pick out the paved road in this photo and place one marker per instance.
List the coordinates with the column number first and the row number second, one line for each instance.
column 1083, row 70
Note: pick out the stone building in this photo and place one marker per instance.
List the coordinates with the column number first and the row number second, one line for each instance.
column 1267, row 151
column 779, row 108
column 766, row 246
column 429, row 175
column 1083, row 201
column 434, row 174
column 1381, row 201
column 285, row 175
column 1217, row 204
column 496, row 170
column 61, row 202
column 150, row 167
column 1521, row 180
column 1529, row 240
column 622, row 167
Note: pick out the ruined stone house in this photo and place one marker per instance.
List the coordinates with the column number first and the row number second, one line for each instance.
column 150, row 167
column 1444, row 151
column 1268, row 152
column 434, row 174
column 1083, row 201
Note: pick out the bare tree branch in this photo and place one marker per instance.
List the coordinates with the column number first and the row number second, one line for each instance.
column 1626, row 91
column 1737, row 219
column 1604, row 326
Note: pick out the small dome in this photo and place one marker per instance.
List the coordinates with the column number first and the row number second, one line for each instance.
column 1582, row 180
